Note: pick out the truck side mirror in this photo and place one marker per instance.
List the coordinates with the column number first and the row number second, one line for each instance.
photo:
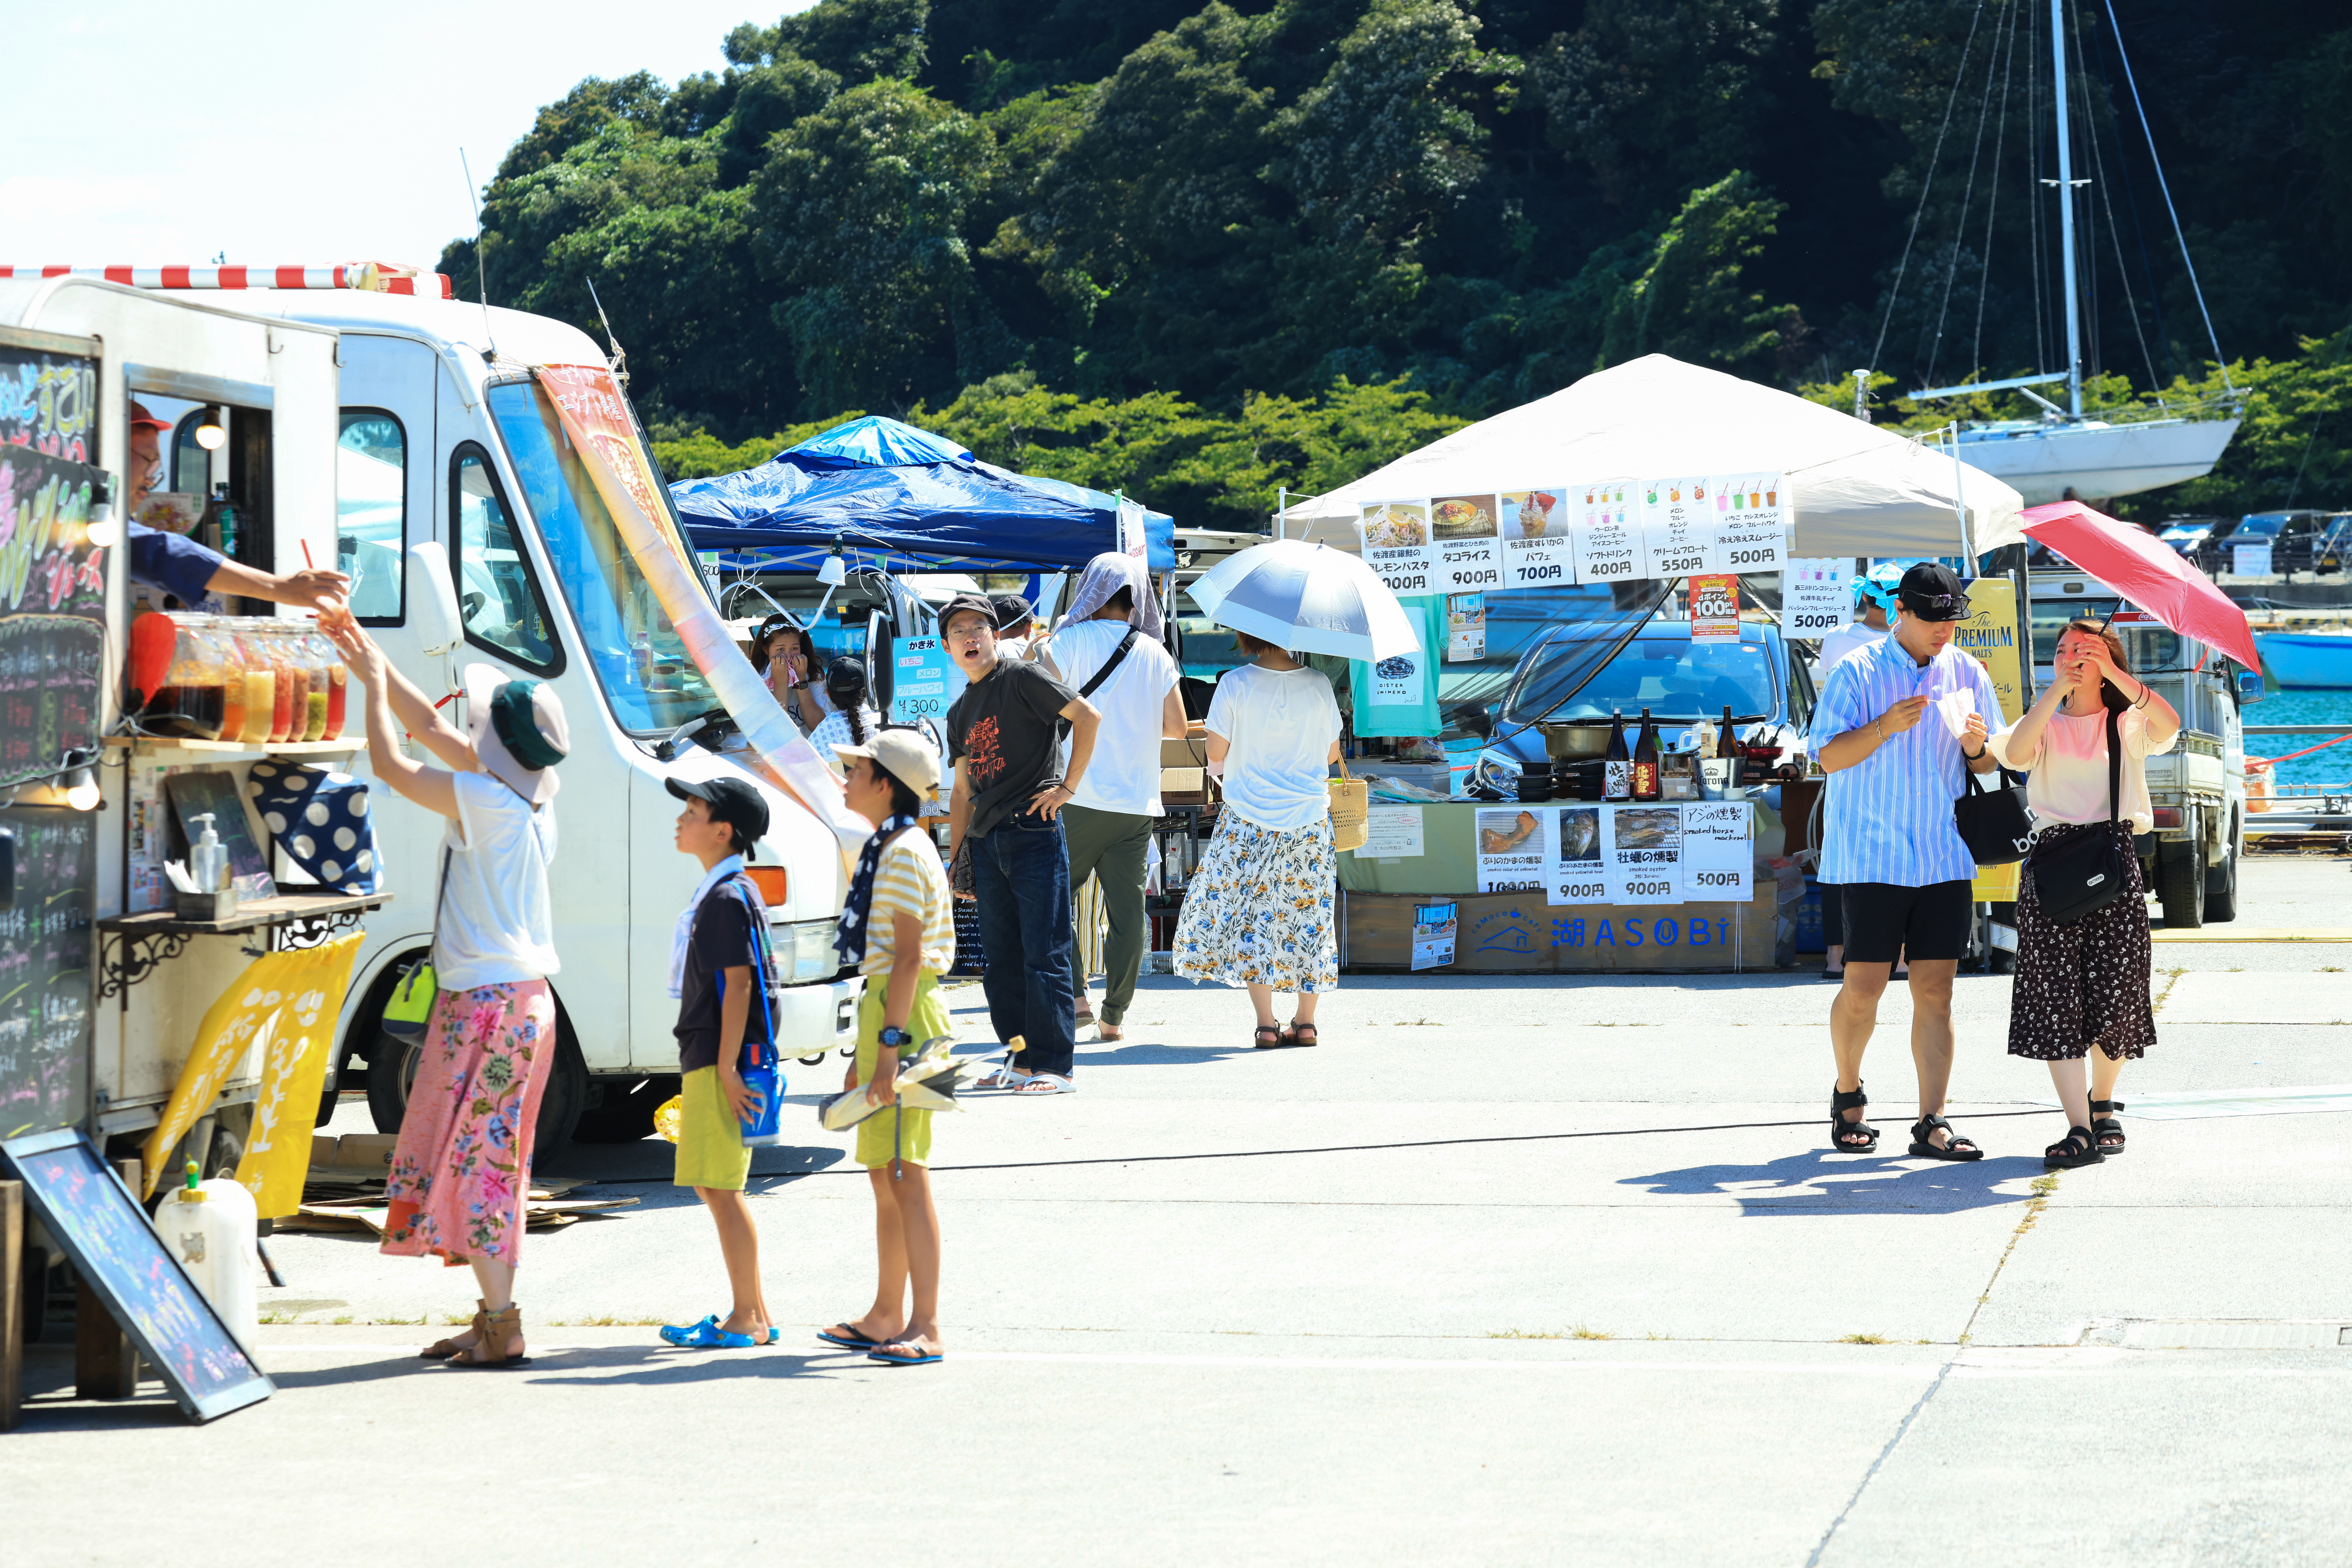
column 2250, row 686
column 433, row 610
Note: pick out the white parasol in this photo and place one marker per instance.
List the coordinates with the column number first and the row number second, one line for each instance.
column 1307, row 598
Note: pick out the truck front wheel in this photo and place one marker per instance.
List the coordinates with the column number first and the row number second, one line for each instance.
column 2180, row 878
column 2221, row 881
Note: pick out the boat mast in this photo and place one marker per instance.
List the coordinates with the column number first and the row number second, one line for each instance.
column 2065, row 183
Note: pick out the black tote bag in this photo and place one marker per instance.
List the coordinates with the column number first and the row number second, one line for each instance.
column 1994, row 823
column 2087, row 872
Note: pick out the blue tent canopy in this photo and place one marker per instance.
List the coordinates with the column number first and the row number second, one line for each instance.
column 878, row 485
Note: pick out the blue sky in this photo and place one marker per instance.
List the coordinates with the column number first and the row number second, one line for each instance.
column 147, row 135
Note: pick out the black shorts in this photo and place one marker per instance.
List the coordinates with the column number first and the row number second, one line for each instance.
column 1882, row 918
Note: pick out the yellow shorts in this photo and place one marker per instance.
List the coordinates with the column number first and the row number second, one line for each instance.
column 894, row 1133
column 710, row 1148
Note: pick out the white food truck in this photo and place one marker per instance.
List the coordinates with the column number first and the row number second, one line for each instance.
column 355, row 425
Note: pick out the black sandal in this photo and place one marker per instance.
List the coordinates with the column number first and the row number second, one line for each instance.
column 1299, row 1034
column 1956, row 1145
column 2077, row 1148
column 2106, row 1127
column 1265, row 1038
column 1841, row 1101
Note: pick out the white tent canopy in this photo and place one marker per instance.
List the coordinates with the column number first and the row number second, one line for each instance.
column 1856, row 490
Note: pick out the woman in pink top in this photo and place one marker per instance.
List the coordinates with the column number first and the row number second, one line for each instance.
column 2085, row 984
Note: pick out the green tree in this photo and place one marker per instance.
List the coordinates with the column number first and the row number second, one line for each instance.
column 1690, row 300
column 858, row 220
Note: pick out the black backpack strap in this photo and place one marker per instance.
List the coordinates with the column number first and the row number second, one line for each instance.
column 1111, row 664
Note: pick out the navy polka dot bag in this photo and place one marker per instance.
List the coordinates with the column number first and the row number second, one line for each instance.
column 321, row 820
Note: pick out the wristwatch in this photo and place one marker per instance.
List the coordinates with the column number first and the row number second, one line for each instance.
column 895, row 1039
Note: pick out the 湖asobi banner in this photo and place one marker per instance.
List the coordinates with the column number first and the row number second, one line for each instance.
column 1602, row 530
column 597, row 421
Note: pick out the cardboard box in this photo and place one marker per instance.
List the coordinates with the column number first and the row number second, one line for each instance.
column 1513, row 932
column 1192, row 753
column 323, row 1150
column 366, row 1151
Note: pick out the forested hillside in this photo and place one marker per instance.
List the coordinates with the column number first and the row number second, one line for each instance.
column 1205, row 252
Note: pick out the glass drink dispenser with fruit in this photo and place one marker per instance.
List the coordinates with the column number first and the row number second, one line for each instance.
column 254, row 680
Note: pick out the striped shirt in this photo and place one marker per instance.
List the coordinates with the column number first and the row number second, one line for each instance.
column 909, row 880
column 1888, row 819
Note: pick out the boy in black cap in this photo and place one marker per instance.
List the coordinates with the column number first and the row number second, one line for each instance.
column 717, row 974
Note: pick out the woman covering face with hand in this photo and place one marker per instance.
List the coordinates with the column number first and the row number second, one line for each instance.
column 2085, row 985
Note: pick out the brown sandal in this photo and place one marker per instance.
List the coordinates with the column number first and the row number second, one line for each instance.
column 499, row 1330
column 441, row 1350
column 1298, row 1034
column 1265, row 1038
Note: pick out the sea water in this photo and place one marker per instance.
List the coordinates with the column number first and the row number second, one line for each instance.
column 2333, row 766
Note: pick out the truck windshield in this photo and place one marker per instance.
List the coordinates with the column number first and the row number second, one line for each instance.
column 1676, row 679
column 637, row 654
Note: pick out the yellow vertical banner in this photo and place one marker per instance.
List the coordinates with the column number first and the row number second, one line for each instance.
column 294, row 1068
column 286, row 1002
column 1994, row 637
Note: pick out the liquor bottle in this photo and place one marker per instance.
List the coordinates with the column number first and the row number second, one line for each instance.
column 1727, row 744
column 1645, row 760
column 1617, row 763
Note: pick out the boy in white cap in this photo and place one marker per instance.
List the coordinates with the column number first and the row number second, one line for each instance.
column 899, row 928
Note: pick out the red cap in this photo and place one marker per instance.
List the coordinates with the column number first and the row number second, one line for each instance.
column 139, row 416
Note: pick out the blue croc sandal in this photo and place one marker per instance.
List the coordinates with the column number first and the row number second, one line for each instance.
column 707, row 1335
column 908, row 1355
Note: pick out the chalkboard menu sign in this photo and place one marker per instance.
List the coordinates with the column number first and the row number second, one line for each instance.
column 52, row 579
column 49, row 402
column 118, row 1254
column 46, row 950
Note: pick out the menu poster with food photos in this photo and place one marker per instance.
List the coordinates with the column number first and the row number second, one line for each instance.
column 1510, row 849
column 1538, row 548
column 1466, row 543
column 1572, row 856
column 1394, row 535
column 1751, row 528
column 1678, row 532
column 1641, row 854
column 1607, row 534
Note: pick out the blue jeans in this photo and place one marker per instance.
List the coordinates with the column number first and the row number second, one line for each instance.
column 1021, row 878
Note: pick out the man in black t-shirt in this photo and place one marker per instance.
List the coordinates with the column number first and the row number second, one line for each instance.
column 1005, row 738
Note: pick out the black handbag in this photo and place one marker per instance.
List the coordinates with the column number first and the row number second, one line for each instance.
column 1994, row 823
column 2085, row 873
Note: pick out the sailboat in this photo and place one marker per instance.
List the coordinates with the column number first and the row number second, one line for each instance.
column 2064, row 455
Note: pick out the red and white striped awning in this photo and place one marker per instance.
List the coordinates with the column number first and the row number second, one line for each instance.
column 379, row 277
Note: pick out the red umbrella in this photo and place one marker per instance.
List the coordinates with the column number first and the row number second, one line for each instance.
column 2145, row 570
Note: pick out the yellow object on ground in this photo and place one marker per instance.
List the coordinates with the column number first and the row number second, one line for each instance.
column 666, row 1116
column 710, row 1148
column 894, row 1132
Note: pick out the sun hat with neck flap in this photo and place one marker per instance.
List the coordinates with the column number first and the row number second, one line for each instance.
column 518, row 729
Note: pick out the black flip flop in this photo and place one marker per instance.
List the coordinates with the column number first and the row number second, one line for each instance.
column 851, row 1340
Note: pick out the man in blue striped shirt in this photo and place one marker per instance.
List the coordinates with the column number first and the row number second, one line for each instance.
column 1891, row 846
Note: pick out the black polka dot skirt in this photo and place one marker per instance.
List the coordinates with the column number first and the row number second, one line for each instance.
column 2086, row 984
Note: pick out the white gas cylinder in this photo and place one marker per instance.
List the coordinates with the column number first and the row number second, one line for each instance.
column 210, row 1227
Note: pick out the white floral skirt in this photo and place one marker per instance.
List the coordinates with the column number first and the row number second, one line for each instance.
column 1261, row 906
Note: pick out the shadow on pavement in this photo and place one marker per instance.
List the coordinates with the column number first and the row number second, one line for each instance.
column 661, row 1365
column 1817, row 1182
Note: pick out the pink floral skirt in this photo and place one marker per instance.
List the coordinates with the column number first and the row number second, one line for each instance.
column 462, row 1168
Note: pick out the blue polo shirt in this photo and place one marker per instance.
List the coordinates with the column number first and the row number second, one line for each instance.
column 171, row 562
column 1888, row 819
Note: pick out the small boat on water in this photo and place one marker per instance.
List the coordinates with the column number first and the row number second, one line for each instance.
column 2308, row 660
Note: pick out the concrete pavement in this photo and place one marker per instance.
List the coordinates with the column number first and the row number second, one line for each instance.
column 1558, row 1270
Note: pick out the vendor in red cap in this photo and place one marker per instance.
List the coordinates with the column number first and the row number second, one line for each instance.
column 179, row 566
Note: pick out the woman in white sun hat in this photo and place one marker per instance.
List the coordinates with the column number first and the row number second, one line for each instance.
column 462, row 1167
